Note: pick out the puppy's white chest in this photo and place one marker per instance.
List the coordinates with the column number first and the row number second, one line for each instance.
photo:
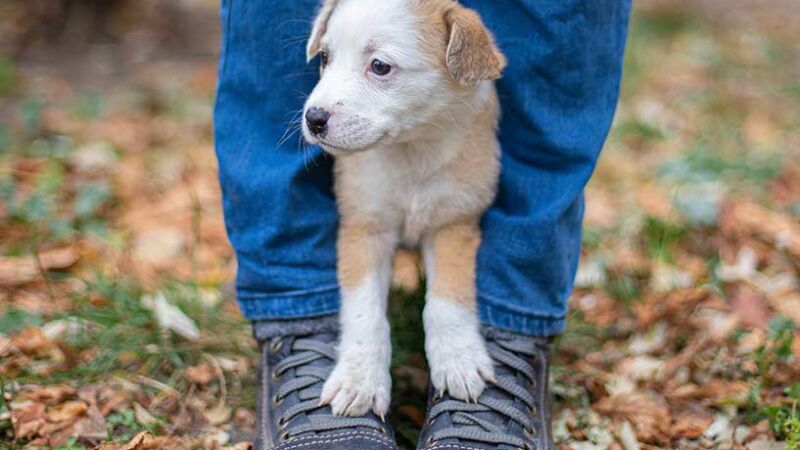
column 408, row 195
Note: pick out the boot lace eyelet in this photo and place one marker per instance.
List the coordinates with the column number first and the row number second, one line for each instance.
column 276, row 345
column 277, row 400
column 285, row 436
column 429, row 442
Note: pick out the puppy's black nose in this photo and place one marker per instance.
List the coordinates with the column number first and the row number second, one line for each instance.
column 317, row 120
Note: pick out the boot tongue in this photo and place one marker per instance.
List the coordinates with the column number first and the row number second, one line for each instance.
column 266, row 329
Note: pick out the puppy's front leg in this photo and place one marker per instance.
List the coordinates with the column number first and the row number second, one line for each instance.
column 456, row 351
column 360, row 381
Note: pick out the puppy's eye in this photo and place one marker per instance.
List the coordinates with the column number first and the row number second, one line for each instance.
column 323, row 58
column 380, row 68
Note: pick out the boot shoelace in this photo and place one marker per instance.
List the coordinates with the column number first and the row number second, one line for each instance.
column 467, row 425
column 308, row 382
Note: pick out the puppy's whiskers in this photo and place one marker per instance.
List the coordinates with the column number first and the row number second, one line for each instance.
column 293, row 126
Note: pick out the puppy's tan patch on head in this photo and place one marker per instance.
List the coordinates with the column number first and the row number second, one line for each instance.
column 319, row 28
column 472, row 54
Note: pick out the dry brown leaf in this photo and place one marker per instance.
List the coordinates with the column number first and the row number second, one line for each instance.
column 201, row 374
column 720, row 391
column 682, row 359
column 91, row 425
column 598, row 308
column 745, row 217
column 27, row 418
column 691, row 422
column 647, row 412
column 143, row 416
column 68, row 411
column 750, row 307
column 19, row 270
column 142, row 441
column 32, row 341
column 146, row 441
column 672, row 306
column 787, row 305
column 218, row 415
column 50, row 394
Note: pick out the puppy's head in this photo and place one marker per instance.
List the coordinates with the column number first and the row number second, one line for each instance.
column 388, row 67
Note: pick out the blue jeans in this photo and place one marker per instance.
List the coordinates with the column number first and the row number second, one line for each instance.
column 558, row 94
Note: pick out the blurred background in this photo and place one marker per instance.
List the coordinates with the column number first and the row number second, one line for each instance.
column 117, row 324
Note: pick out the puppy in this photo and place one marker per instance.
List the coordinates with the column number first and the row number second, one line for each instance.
column 407, row 105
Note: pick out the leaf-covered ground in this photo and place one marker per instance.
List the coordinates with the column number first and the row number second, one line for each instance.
column 117, row 326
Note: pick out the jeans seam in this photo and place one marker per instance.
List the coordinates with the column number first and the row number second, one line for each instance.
column 226, row 41
column 244, row 294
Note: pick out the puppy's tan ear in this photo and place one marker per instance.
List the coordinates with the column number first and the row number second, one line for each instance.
column 319, row 28
column 472, row 54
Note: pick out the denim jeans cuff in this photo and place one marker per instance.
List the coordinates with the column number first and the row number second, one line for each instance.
column 530, row 324
column 291, row 305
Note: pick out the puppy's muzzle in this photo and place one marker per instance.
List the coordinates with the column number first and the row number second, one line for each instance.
column 317, row 120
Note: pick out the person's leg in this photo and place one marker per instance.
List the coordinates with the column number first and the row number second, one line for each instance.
column 558, row 95
column 279, row 207
column 281, row 219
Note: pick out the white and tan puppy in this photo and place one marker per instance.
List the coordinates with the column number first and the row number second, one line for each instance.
column 407, row 105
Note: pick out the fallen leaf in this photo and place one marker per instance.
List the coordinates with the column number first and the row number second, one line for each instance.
column 146, row 441
column 170, row 317
column 646, row 411
column 215, row 439
column 640, row 368
column 666, row 278
column 142, row 441
column 50, row 394
column 17, row 270
column 68, row 411
column 27, row 418
column 763, row 444
column 160, row 247
column 201, row 374
column 691, row 422
column 627, row 437
column 749, row 306
column 650, row 342
column 94, row 157
column 218, row 415
column 143, row 416
column 32, row 341
column 720, row 431
column 591, row 273
column 746, row 217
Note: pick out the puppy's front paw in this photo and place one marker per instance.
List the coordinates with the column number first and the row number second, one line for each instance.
column 357, row 385
column 457, row 355
column 461, row 370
